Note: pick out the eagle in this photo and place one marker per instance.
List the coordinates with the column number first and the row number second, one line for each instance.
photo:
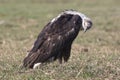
column 55, row 40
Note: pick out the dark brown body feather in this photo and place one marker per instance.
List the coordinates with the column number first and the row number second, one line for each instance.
column 54, row 41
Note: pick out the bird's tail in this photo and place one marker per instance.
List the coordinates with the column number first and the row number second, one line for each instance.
column 30, row 60
column 35, row 57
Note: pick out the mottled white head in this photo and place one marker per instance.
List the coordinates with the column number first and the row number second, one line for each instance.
column 86, row 22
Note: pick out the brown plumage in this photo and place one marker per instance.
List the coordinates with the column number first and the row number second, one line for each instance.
column 55, row 40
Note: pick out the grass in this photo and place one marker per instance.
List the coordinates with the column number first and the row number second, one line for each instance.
column 95, row 54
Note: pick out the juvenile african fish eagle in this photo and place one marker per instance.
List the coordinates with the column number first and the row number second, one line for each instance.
column 55, row 40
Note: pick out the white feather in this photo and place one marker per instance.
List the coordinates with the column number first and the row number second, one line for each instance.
column 84, row 17
column 36, row 65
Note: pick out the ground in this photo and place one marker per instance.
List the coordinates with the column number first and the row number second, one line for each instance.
column 95, row 54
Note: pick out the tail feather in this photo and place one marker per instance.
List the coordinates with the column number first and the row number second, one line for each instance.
column 34, row 58
column 30, row 60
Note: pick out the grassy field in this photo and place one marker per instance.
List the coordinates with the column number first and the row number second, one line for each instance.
column 95, row 54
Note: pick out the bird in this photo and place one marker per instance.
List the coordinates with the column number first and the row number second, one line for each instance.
column 56, row 38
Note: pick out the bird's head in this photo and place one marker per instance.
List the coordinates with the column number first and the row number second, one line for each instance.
column 86, row 23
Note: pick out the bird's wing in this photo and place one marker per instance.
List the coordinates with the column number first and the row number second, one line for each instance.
column 40, row 39
column 58, row 27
